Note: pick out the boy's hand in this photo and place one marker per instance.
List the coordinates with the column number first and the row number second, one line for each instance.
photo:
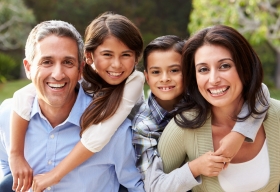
column 22, row 173
column 230, row 145
column 209, row 165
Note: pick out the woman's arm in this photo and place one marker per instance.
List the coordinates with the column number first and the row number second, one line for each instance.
column 21, row 171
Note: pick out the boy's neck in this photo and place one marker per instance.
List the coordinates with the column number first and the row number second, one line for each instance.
column 168, row 105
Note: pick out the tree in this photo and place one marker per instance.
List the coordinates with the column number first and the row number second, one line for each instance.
column 15, row 24
column 257, row 20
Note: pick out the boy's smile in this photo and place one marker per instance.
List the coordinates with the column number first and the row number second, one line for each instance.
column 164, row 76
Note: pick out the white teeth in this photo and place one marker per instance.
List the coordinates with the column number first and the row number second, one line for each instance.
column 166, row 88
column 114, row 74
column 217, row 91
column 54, row 85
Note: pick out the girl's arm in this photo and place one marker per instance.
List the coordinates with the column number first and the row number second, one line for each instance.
column 21, row 171
column 249, row 128
column 96, row 136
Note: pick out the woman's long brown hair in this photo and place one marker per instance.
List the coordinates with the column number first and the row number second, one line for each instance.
column 106, row 97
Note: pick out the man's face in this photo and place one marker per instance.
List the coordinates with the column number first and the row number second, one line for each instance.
column 55, row 71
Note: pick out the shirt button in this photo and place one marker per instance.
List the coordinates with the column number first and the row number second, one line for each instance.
column 52, row 136
column 50, row 162
column 49, row 188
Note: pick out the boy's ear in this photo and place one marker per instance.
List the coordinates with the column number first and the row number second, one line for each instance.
column 27, row 68
column 146, row 76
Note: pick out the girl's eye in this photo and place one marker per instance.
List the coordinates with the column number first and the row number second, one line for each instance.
column 203, row 70
column 175, row 70
column 126, row 55
column 225, row 66
column 107, row 54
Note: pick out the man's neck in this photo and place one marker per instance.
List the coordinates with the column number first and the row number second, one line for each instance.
column 57, row 115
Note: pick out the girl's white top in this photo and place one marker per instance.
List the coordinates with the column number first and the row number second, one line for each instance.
column 96, row 136
column 248, row 176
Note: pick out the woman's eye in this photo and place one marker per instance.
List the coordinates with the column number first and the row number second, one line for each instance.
column 202, row 70
column 107, row 54
column 225, row 66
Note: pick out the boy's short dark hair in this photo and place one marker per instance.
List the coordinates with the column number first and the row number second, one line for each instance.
column 163, row 43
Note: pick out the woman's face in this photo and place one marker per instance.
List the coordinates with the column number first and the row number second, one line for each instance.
column 113, row 60
column 216, row 76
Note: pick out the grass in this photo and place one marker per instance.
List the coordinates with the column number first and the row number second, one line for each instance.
column 7, row 89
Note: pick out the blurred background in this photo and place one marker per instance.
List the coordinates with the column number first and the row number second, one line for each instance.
column 257, row 20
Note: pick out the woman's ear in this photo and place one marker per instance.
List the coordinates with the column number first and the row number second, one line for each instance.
column 89, row 59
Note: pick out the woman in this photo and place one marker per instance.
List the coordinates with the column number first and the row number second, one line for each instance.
column 222, row 73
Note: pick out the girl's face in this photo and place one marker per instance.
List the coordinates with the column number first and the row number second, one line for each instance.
column 113, row 60
column 217, row 77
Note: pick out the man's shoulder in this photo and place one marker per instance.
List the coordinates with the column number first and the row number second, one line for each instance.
column 6, row 105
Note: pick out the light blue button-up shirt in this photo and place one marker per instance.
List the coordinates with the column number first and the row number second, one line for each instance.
column 45, row 147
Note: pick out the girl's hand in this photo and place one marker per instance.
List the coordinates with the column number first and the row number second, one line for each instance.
column 22, row 173
column 43, row 181
column 209, row 165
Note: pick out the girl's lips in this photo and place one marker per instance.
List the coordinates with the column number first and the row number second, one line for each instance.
column 115, row 74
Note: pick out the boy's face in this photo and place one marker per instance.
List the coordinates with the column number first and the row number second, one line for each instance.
column 164, row 76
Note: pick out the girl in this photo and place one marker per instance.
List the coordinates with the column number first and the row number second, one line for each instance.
column 113, row 47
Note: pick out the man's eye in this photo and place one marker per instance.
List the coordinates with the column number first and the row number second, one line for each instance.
column 68, row 62
column 46, row 62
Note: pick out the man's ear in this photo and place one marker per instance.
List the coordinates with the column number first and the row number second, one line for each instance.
column 81, row 68
column 27, row 68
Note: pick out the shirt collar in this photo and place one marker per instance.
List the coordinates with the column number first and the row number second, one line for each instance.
column 79, row 107
column 157, row 111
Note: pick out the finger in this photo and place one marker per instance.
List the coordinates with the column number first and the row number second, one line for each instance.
column 15, row 182
column 33, row 186
column 29, row 181
column 20, row 183
column 219, row 151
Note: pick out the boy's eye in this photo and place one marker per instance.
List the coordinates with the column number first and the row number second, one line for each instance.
column 107, row 54
column 126, row 55
column 203, row 70
column 155, row 72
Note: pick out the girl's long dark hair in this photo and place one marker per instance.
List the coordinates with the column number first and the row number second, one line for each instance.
column 106, row 97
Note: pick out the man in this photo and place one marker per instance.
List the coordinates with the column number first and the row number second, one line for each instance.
column 53, row 62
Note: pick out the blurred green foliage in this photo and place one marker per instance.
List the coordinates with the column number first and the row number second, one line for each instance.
column 7, row 68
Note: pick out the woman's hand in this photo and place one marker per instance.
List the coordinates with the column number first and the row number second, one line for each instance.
column 21, row 171
column 209, row 165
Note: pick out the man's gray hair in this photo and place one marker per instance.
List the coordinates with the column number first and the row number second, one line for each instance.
column 52, row 27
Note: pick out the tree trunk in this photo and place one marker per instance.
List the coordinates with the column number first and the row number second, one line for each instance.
column 277, row 75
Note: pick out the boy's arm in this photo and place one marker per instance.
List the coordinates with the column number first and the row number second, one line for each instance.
column 249, row 128
column 22, row 104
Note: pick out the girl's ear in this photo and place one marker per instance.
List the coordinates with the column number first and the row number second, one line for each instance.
column 89, row 59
